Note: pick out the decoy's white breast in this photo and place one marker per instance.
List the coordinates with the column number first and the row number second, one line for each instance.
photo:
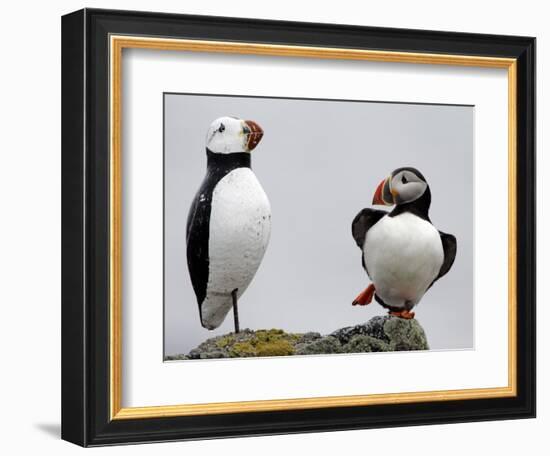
column 240, row 227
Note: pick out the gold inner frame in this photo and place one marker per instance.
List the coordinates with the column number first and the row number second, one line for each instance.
column 117, row 44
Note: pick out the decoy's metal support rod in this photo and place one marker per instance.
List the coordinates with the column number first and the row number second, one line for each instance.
column 235, row 310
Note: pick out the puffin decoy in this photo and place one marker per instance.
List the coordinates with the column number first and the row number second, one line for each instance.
column 229, row 221
column 403, row 253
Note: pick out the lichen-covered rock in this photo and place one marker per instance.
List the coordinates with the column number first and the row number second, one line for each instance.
column 379, row 334
column 363, row 343
column 374, row 328
column 405, row 334
column 249, row 343
column 308, row 337
column 175, row 357
column 397, row 334
column 321, row 346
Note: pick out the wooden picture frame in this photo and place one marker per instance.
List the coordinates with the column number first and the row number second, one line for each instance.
column 92, row 45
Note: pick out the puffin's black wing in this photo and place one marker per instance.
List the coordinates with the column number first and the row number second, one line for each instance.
column 198, row 232
column 363, row 222
column 449, row 252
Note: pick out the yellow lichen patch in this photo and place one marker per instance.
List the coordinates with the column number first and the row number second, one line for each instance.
column 278, row 347
column 264, row 342
column 242, row 349
column 224, row 341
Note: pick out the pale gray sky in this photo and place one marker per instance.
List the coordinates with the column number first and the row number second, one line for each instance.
column 319, row 163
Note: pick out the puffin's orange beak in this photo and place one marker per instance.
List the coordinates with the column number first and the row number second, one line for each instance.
column 382, row 190
column 255, row 134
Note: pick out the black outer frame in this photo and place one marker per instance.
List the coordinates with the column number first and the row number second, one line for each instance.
column 85, row 227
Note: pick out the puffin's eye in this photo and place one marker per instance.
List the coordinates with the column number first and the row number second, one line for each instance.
column 222, row 128
column 404, row 179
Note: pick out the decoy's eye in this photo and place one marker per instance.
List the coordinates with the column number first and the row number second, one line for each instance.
column 404, row 179
column 222, row 128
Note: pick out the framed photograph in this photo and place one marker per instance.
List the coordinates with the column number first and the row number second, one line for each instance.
column 278, row 227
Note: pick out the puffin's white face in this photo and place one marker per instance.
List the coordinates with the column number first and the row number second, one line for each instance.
column 231, row 134
column 406, row 186
column 403, row 186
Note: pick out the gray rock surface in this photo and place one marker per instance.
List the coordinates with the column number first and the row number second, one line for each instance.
column 326, row 344
column 379, row 334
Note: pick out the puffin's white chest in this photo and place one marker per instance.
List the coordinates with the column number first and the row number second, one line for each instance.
column 403, row 255
column 240, row 226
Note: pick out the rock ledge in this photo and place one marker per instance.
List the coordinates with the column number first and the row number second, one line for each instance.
column 379, row 334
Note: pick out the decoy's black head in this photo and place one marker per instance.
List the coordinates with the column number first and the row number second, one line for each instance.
column 404, row 185
column 228, row 135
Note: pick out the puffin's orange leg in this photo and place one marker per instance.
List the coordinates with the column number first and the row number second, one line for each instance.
column 404, row 313
column 365, row 297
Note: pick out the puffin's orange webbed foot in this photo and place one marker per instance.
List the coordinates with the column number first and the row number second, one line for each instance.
column 406, row 314
column 365, row 297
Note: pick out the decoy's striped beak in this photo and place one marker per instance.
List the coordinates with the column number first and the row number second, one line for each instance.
column 383, row 194
column 254, row 132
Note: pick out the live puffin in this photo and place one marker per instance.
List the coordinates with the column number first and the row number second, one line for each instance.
column 229, row 221
column 403, row 253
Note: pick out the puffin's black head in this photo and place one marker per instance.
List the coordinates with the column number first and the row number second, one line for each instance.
column 403, row 186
